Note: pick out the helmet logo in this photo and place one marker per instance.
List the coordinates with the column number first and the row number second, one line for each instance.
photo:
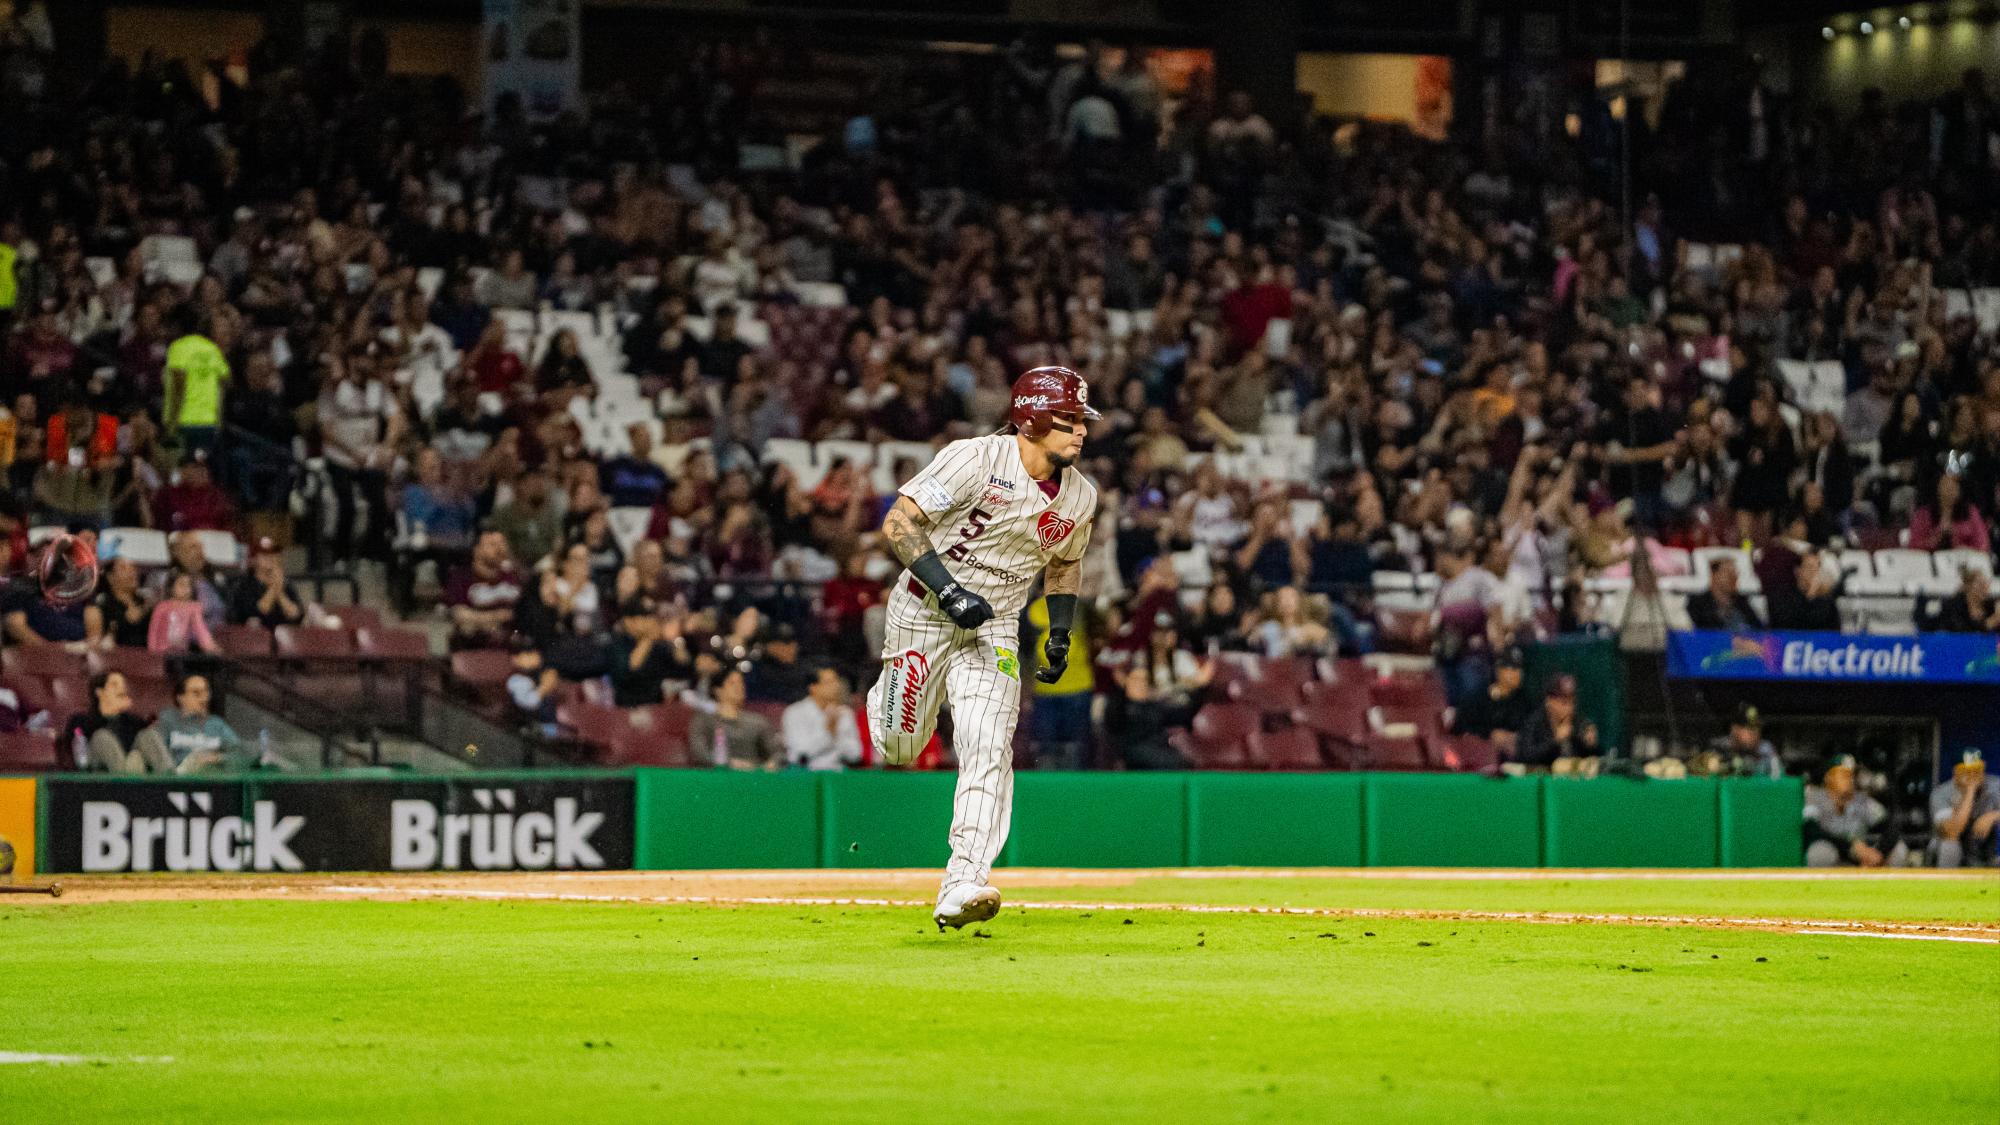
column 1031, row 402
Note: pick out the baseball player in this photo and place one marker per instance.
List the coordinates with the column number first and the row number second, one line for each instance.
column 974, row 528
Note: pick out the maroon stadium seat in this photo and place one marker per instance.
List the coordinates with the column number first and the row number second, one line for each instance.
column 311, row 641
column 1404, row 630
column 648, row 748
column 482, row 667
column 595, row 723
column 69, row 695
column 243, row 640
column 1424, row 691
column 150, row 696
column 134, row 662
column 1469, row 753
column 1386, row 753
column 392, row 644
column 667, row 720
column 1290, row 748
column 1221, row 735
column 47, row 662
column 24, row 751
column 356, row 617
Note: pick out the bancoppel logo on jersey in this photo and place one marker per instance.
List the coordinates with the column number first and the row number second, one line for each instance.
column 189, row 840
column 497, row 838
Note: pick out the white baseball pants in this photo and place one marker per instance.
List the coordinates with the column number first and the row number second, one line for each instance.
column 925, row 659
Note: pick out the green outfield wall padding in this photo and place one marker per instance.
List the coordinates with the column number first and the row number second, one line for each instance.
column 1449, row 820
column 1274, row 820
column 1099, row 820
column 1760, row 822
column 1625, row 822
column 892, row 819
column 695, row 818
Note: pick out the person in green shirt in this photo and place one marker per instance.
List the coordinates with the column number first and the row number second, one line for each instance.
column 194, row 737
column 196, row 369
column 1061, row 715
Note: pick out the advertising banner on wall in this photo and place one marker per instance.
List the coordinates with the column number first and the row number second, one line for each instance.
column 1933, row 658
column 515, row 823
column 17, row 828
column 532, row 49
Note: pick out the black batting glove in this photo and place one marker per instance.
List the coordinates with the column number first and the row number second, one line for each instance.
column 1055, row 653
column 966, row 609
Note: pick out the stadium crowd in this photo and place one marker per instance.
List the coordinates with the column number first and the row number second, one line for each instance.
column 236, row 306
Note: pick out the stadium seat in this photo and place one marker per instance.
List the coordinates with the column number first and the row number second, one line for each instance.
column 1221, row 735
column 1421, row 692
column 221, row 549
column 243, row 640
column 1911, row 570
column 648, row 748
column 1291, row 748
column 1952, row 563
column 356, row 617
column 392, row 644
column 1746, row 574
column 1853, row 564
column 309, row 641
column 1389, row 752
column 45, row 662
column 595, row 723
column 1403, row 630
column 132, row 662
column 1469, row 753
column 665, row 720
column 150, row 695
column 24, row 751
column 144, row 546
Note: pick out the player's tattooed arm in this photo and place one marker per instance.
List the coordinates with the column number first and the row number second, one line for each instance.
column 1062, row 576
column 904, row 528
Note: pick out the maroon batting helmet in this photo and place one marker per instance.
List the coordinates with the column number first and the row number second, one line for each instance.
column 1044, row 392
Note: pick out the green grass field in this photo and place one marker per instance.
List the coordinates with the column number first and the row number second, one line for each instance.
column 534, row 1010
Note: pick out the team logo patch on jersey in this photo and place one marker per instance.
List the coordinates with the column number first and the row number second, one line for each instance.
column 907, row 674
column 1052, row 529
column 1009, row 664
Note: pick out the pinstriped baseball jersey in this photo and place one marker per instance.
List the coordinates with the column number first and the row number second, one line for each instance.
column 991, row 523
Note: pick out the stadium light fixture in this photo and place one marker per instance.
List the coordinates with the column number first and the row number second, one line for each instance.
column 1826, row 33
column 1903, row 22
column 1867, row 28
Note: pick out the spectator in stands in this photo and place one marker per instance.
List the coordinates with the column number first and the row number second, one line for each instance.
column 531, row 522
column 32, row 619
column 1951, row 519
column 1177, row 676
column 193, row 502
column 1842, row 824
column 189, row 557
column 77, row 489
column 722, row 353
column 822, row 731
column 106, row 737
column 1637, row 442
column 634, row 480
column 650, row 650
column 511, row 286
column 730, row 736
column 531, row 687
column 196, row 370
column 483, row 594
column 1500, row 712
column 1555, row 737
column 563, row 369
column 1810, row 599
column 1965, row 813
column 1291, row 624
column 360, row 426
column 177, row 625
column 1061, row 714
column 1217, row 625
column 778, row 676
column 496, row 369
column 121, row 615
column 570, row 594
column 1972, row 609
column 1143, row 722
column 1470, row 606
column 1721, row 606
column 195, row 738
column 261, row 595
column 435, row 515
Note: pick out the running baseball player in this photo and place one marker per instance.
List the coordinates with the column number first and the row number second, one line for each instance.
column 974, row 528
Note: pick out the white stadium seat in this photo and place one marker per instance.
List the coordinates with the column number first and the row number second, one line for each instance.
column 143, row 546
column 1907, row 567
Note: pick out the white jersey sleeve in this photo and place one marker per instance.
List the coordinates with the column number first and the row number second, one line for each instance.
column 950, row 481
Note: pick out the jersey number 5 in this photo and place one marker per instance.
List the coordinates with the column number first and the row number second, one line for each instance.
column 975, row 526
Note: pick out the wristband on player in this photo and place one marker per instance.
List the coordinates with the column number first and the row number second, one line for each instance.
column 930, row 571
column 1062, row 612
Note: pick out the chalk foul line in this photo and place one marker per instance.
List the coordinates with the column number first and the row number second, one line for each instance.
column 1914, row 931
column 39, row 1058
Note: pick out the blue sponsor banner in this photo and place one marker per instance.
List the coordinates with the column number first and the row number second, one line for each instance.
column 1934, row 658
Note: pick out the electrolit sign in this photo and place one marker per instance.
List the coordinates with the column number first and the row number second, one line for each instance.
column 1938, row 658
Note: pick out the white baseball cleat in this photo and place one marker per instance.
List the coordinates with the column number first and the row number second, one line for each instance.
column 967, row 904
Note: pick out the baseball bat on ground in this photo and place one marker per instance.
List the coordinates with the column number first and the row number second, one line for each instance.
column 53, row 890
